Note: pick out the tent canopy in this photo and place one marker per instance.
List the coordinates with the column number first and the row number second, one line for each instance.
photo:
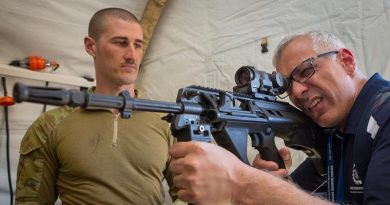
column 195, row 42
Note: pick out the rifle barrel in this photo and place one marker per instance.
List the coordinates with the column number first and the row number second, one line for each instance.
column 60, row 97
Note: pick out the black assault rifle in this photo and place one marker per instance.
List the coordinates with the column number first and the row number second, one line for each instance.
column 202, row 113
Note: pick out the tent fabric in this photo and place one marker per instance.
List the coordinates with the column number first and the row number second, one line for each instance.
column 195, row 42
column 150, row 17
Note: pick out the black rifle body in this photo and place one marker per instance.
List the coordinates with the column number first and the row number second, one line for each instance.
column 201, row 114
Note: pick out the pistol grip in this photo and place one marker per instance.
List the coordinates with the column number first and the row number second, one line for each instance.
column 265, row 143
column 272, row 154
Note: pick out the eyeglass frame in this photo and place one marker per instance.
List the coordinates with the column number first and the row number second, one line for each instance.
column 312, row 67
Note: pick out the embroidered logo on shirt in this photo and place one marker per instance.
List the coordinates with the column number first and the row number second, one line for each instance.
column 355, row 176
column 357, row 187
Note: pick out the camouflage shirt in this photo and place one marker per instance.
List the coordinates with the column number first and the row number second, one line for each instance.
column 93, row 157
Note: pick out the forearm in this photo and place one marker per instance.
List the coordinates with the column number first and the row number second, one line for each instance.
column 258, row 187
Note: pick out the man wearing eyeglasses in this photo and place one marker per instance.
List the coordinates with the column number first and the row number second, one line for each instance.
column 326, row 84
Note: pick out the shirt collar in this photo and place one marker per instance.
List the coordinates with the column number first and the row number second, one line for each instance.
column 374, row 84
column 137, row 93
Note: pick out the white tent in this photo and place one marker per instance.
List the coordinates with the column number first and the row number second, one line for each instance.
column 195, row 42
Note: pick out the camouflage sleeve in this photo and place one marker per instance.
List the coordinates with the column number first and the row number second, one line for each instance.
column 167, row 174
column 36, row 173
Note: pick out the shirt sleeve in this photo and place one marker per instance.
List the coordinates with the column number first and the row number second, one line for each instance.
column 376, row 184
column 307, row 177
column 33, row 181
column 37, row 168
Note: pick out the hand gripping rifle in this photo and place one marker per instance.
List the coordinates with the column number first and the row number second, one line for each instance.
column 202, row 113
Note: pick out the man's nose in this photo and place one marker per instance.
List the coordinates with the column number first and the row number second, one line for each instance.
column 299, row 89
column 130, row 52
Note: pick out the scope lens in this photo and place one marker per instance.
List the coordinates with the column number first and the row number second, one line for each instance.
column 243, row 76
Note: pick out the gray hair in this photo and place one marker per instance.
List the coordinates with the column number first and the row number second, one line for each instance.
column 323, row 41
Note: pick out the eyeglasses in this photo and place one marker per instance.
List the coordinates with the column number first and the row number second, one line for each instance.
column 305, row 70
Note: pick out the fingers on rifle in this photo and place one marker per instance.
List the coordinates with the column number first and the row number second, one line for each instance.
column 185, row 195
column 180, row 149
column 286, row 156
column 264, row 165
column 186, row 157
column 285, row 153
column 176, row 166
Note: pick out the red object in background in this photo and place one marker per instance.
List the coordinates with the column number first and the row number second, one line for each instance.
column 35, row 63
column 7, row 101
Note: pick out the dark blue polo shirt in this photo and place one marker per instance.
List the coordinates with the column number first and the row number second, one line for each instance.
column 375, row 188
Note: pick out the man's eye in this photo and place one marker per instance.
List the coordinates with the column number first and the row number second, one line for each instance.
column 304, row 65
column 122, row 43
column 307, row 72
column 138, row 45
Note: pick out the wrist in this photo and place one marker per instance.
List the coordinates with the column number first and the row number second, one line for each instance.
column 242, row 182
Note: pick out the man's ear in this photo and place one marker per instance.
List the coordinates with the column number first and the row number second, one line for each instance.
column 347, row 60
column 90, row 46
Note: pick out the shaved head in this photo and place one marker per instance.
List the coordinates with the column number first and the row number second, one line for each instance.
column 98, row 20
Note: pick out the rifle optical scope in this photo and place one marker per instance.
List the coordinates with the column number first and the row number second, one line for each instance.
column 250, row 81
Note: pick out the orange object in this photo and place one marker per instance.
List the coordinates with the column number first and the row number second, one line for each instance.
column 7, row 101
column 35, row 63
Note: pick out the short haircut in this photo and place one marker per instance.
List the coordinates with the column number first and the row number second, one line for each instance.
column 97, row 23
column 323, row 41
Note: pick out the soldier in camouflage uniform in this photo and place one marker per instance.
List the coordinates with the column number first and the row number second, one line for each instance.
column 93, row 156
